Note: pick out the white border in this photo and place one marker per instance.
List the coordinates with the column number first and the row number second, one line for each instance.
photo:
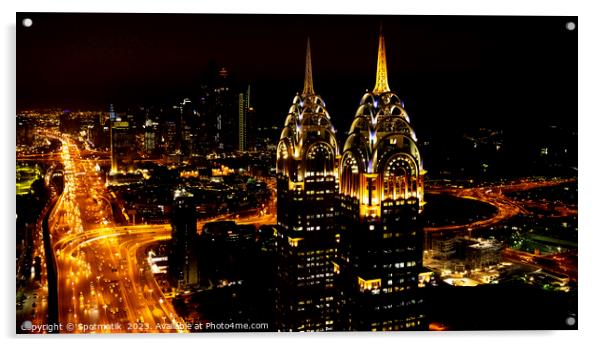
column 590, row 114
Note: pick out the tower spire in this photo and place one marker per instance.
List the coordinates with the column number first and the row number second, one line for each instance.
column 382, row 83
column 308, row 86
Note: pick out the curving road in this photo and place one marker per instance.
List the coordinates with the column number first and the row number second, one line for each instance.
column 494, row 196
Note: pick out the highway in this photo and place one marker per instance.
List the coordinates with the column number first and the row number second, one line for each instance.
column 494, row 196
column 106, row 281
column 103, row 286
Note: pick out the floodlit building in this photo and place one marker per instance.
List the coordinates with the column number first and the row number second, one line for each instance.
column 246, row 121
column 122, row 146
column 443, row 247
column 307, row 188
column 381, row 200
column 479, row 253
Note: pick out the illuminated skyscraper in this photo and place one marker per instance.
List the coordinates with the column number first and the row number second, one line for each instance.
column 307, row 187
column 122, row 144
column 246, row 121
column 382, row 197
column 225, row 114
column 151, row 129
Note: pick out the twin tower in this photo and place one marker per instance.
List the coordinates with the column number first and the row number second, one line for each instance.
column 349, row 236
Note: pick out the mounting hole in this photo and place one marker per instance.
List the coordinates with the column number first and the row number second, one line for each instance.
column 570, row 26
column 27, row 22
column 570, row 321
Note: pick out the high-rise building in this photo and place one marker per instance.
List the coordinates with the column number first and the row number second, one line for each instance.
column 190, row 122
column 381, row 200
column 151, row 129
column 246, row 121
column 224, row 113
column 122, row 145
column 307, row 188
column 251, row 129
column 170, row 134
column 183, row 260
column 218, row 112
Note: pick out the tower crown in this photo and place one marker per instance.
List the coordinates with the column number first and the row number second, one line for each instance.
column 382, row 83
column 308, row 142
column 308, row 85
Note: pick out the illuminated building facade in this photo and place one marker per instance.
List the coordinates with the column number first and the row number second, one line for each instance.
column 246, row 122
column 307, row 187
column 381, row 200
column 151, row 130
column 122, row 146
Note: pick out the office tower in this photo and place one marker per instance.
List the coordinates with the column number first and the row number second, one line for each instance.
column 246, row 114
column 224, row 105
column 306, row 187
column 183, row 260
column 189, row 120
column 122, row 145
column 251, row 128
column 112, row 113
column 151, row 129
column 205, row 127
column 169, row 136
column 217, row 113
column 381, row 200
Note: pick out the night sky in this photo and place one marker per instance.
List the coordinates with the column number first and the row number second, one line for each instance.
column 451, row 71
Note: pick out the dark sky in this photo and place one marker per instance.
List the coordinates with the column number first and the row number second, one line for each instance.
column 449, row 70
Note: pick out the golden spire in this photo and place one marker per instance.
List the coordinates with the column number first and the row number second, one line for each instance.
column 382, row 83
column 308, row 86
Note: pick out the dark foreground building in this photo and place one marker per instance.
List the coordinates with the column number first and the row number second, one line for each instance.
column 183, row 257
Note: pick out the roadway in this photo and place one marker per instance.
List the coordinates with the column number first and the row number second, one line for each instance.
column 98, row 272
column 105, row 284
column 493, row 195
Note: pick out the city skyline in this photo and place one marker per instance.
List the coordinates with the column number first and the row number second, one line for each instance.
column 132, row 61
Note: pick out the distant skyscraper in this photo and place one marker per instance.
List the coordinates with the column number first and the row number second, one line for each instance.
column 170, row 134
column 112, row 114
column 382, row 196
column 122, row 146
column 251, row 129
column 218, row 113
column 306, row 185
column 190, row 122
column 183, row 260
column 246, row 121
column 225, row 113
column 151, row 130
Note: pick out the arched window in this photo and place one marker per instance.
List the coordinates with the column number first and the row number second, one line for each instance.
column 350, row 175
column 319, row 160
column 399, row 178
column 282, row 158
